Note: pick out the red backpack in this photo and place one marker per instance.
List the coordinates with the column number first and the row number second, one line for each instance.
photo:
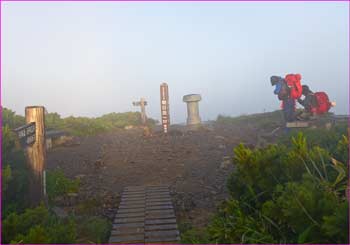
column 293, row 82
column 323, row 103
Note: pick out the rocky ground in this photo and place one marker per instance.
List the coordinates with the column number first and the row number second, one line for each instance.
column 194, row 164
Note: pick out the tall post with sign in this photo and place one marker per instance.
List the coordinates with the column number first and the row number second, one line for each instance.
column 142, row 103
column 164, row 105
column 36, row 153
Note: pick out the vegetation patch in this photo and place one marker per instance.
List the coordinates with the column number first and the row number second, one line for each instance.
column 284, row 194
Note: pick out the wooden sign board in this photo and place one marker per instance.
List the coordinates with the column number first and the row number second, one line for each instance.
column 26, row 134
column 138, row 103
column 164, row 105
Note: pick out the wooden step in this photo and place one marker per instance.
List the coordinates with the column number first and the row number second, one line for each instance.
column 145, row 215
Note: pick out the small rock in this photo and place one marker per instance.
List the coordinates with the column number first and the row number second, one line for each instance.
column 80, row 176
column 218, row 137
column 213, row 192
column 60, row 212
column 225, row 164
column 222, row 147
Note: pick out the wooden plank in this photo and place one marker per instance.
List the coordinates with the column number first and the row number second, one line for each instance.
column 159, row 216
column 128, row 231
column 126, row 206
column 156, row 186
column 160, row 221
column 157, row 196
column 131, row 214
column 156, row 191
column 132, row 199
column 128, row 225
column 128, row 202
column 134, row 189
column 172, row 233
column 150, row 198
column 128, row 220
column 133, row 193
column 148, row 204
column 161, row 227
column 126, row 210
column 145, row 215
column 159, row 207
column 134, row 196
column 159, row 211
column 127, row 239
column 151, row 201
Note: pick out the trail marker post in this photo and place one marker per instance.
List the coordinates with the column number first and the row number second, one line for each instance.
column 164, row 105
column 32, row 137
column 142, row 103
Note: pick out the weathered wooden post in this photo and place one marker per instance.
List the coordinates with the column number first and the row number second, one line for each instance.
column 142, row 103
column 164, row 105
column 36, row 154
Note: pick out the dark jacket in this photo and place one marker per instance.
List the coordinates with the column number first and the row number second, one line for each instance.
column 309, row 101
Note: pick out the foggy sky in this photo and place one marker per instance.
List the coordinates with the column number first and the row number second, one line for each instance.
column 89, row 58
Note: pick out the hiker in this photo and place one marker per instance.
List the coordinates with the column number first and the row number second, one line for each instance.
column 309, row 102
column 314, row 103
column 283, row 92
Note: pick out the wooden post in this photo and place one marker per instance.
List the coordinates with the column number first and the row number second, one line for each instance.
column 164, row 106
column 36, row 154
column 142, row 103
column 143, row 111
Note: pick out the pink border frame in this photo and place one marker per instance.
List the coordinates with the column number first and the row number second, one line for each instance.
column 159, row 1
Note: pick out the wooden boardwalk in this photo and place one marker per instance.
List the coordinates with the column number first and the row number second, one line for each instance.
column 145, row 215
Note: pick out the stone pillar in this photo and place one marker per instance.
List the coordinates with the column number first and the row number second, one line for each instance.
column 192, row 100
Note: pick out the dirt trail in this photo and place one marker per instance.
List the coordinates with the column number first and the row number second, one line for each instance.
column 194, row 164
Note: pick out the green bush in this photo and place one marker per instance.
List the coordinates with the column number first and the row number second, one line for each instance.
column 284, row 194
column 57, row 184
column 15, row 174
column 287, row 195
column 79, row 126
column 325, row 138
column 94, row 229
column 10, row 119
column 268, row 120
column 37, row 225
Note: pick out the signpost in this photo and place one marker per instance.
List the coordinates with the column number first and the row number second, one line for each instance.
column 142, row 103
column 32, row 138
column 26, row 134
column 164, row 105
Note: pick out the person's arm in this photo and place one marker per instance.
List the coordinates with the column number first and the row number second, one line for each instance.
column 278, row 88
column 302, row 102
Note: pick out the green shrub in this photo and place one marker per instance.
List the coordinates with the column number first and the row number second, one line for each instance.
column 268, row 120
column 94, row 229
column 10, row 119
column 57, row 184
column 37, row 225
column 284, row 194
column 15, row 174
